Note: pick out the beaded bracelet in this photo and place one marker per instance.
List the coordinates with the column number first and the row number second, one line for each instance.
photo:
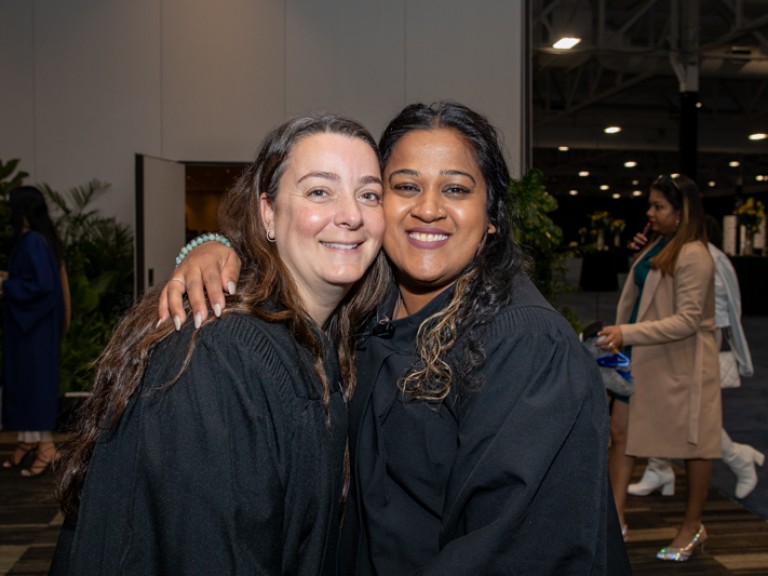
column 195, row 242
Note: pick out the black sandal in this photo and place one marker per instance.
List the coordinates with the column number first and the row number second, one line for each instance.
column 42, row 463
column 20, row 454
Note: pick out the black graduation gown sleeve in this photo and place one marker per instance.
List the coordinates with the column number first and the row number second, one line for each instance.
column 528, row 493
column 229, row 471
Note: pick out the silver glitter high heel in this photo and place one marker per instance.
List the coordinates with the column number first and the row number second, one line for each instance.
column 683, row 554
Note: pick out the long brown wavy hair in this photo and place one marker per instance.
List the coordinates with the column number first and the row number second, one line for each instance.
column 486, row 283
column 683, row 194
column 266, row 289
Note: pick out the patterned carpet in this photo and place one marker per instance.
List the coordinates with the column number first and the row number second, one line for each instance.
column 29, row 522
column 737, row 545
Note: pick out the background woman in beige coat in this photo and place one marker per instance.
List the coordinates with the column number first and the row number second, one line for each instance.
column 666, row 318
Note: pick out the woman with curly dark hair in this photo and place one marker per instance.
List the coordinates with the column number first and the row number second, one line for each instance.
column 221, row 451
column 478, row 429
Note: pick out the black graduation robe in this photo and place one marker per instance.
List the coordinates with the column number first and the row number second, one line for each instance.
column 508, row 478
column 229, row 471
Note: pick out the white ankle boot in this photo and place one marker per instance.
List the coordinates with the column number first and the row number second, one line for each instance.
column 741, row 459
column 658, row 475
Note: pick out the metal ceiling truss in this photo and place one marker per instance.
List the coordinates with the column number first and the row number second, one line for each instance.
column 634, row 59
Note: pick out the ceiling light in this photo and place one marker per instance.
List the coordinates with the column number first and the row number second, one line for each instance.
column 734, row 164
column 612, row 129
column 563, row 148
column 630, row 164
column 698, row 104
column 711, row 183
column 604, row 186
column 635, row 182
column 583, row 173
column 566, row 43
column 758, row 136
column 637, row 193
column 573, row 192
column 759, row 177
column 615, row 195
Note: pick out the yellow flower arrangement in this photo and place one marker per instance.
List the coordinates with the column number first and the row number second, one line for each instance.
column 750, row 214
column 601, row 220
column 617, row 225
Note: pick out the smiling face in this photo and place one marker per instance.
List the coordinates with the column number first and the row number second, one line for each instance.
column 327, row 217
column 435, row 209
column 664, row 218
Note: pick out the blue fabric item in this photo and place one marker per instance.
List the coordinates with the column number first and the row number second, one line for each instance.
column 33, row 320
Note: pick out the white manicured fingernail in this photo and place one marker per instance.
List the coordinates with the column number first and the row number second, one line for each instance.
column 232, row 287
column 177, row 323
column 198, row 319
column 217, row 309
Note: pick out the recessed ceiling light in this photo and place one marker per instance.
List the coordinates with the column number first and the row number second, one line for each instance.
column 615, row 195
column 573, row 192
column 711, row 183
column 612, row 129
column 630, row 164
column 637, row 193
column 584, row 173
column 698, row 104
column 734, row 164
column 563, row 148
column 758, row 136
column 604, row 186
column 566, row 43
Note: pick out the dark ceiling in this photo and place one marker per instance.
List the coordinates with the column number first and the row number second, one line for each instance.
column 634, row 59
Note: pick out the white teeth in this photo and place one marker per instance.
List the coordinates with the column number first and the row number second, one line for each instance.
column 341, row 246
column 422, row 237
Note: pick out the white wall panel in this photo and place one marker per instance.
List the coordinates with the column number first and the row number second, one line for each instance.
column 17, row 83
column 223, row 77
column 346, row 56
column 469, row 52
column 98, row 93
column 86, row 84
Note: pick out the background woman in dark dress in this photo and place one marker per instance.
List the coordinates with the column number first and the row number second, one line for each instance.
column 33, row 323
column 478, row 429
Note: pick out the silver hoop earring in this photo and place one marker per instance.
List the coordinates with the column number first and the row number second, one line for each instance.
column 271, row 236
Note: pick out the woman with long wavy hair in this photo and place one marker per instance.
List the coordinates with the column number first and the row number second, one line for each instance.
column 220, row 451
column 478, row 428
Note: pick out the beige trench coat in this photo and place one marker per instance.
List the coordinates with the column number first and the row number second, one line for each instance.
column 675, row 411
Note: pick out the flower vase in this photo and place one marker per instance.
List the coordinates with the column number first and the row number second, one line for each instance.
column 600, row 239
column 748, row 248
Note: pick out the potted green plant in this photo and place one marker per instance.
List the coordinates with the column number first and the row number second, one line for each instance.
column 541, row 238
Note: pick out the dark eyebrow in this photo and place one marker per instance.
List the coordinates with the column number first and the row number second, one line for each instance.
column 406, row 171
column 458, row 173
column 335, row 177
column 411, row 172
column 325, row 175
column 370, row 180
